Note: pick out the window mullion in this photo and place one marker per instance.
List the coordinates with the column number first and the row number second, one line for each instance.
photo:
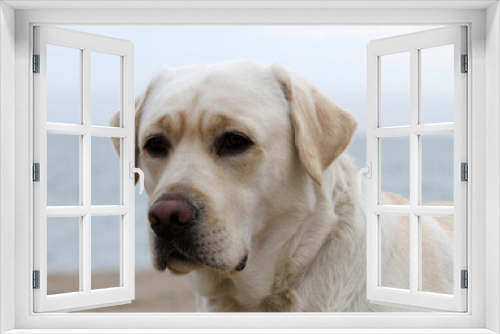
column 414, row 171
column 122, row 183
column 81, row 169
column 85, row 163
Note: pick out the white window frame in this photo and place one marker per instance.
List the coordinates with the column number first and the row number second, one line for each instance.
column 483, row 21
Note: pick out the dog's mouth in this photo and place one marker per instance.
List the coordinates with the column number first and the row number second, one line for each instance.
column 178, row 256
column 178, row 263
column 181, row 258
column 168, row 255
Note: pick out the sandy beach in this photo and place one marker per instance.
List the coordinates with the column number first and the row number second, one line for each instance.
column 154, row 292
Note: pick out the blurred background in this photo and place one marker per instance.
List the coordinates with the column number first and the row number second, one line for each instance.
column 332, row 58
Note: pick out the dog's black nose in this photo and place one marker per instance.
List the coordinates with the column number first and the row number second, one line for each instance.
column 170, row 213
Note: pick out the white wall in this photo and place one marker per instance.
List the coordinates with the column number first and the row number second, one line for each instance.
column 492, row 163
column 340, row 16
column 7, row 117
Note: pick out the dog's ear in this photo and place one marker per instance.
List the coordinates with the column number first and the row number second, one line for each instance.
column 140, row 101
column 322, row 129
column 115, row 121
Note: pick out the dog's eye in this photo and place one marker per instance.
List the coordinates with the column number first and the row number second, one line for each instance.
column 157, row 146
column 232, row 143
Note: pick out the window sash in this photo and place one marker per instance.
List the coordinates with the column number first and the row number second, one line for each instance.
column 86, row 297
column 413, row 43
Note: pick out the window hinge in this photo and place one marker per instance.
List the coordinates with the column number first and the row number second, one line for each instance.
column 36, row 172
column 465, row 64
column 36, row 63
column 464, row 171
column 465, row 279
column 36, row 279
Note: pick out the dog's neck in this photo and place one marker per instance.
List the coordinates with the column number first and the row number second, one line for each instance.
column 290, row 258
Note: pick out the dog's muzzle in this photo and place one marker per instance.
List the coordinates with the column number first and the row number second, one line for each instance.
column 184, row 237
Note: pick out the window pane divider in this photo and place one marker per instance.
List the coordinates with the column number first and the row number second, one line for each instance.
column 415, row 170
column 429, row 129
column 80, row 211
column 67, row 211
column 419, row 210
column 109, row 210
column 397, row 131
column 391, row 209
column 423, row 129
column 102, row 131
column 438, row 211
column 75, row 129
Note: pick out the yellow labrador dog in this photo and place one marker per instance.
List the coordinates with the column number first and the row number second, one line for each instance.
column 251, row 194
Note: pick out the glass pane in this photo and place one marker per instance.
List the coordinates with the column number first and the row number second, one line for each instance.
column 63, row 170
column 105, row 172
column 395, row 89
column 105, row 251
column 437, row 84
column 395, row 165
column 394, row 251
column 437, row 169
column 105, row 87
column 63, row 255
column 437, row 254
column 63, row 84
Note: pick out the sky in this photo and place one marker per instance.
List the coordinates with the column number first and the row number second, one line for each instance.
column 332, row 57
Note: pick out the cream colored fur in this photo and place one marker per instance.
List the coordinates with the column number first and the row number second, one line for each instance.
column 291, row 202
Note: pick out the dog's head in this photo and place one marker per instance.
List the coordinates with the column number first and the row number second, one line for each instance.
column 226, row 149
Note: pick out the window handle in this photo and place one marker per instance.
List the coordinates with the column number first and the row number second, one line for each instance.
column 368, row 171
column 139, row 171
